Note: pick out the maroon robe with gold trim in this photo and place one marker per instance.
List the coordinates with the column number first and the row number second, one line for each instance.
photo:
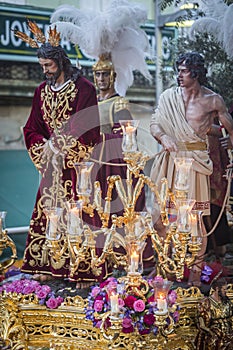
column 69, row 118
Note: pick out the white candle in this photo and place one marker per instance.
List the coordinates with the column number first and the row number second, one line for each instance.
column 182, row 180
column 74, row 221
column 84, row 180
column 73, row 217
column 162, row 304
column 134, row 262
column 53, row 225
column 194, row 225
column 114, row 303
column 183, row 215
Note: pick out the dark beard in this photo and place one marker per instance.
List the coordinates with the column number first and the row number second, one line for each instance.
column 52, row 80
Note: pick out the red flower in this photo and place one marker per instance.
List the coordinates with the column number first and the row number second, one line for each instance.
column 144, row 331
column 128, row 329
column 151, row 299
column 103, row 284
column 129, row 301
column 149, row 319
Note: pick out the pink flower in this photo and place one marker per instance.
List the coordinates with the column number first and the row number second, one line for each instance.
column 172, row 296
column 139, row 305
column 121, row 302
column 60, row 300
column 41, row 294
column 158, row 279
column 127, row 322
column 111, row 286
column 95, row 291
column 98, row 324
column 52, row 303
column 98, row 305
column 28, row 289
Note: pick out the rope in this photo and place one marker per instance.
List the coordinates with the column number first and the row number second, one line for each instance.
column 106, row 163
column 229, row 179
column 226, row 198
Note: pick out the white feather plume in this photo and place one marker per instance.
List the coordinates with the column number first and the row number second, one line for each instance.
column 115, row 30
column 218, row 22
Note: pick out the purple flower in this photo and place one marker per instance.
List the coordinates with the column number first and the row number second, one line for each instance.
column 139, row 305
column 205, row 278
column 144, row 331
column 149, row 319
column 207, row 270
column 176, row 316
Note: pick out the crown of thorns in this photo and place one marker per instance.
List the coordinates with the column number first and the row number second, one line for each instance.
column 54, row 37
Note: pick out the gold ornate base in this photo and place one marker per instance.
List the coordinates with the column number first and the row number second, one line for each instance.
column 26, row 325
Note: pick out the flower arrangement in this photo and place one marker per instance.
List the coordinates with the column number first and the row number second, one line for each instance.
column 137, row 314
column 29, row 286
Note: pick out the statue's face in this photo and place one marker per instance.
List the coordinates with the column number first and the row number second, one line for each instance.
column 103, row 81
column 50, row 69
column 184, row 76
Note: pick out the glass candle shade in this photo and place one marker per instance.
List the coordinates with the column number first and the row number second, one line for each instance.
column 83, row 172
column 75, row 223
column 2, row 223
column 52, row 229
column 161, row 289
column 129, row 141
column 184, row 222
column 183, row 166
column 197, row 225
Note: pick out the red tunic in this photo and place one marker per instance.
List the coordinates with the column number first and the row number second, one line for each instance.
column 69, row 118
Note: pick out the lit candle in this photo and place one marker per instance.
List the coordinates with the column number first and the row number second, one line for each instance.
column 194, row 225
column 134, row 262
column 114, row 303
column 162, row 304
column 53, row 225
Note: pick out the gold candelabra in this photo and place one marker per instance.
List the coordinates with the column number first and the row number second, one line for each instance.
column 6, row 242
column 130, row 230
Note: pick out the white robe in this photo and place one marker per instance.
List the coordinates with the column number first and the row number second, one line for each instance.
column 170, row 116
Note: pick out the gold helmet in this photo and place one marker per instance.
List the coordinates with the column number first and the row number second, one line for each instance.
column 104, row 64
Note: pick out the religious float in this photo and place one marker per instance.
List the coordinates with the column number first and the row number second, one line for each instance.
column 131, row 311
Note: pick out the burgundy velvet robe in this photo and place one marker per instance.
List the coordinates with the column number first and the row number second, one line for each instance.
column 62, row 116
